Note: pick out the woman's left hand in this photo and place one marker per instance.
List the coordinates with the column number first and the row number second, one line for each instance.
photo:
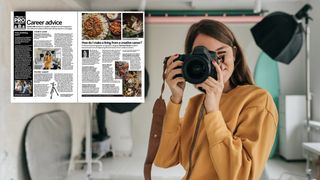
column 214, row 90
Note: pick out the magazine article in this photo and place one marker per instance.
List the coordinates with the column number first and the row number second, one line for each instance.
column 77, row 56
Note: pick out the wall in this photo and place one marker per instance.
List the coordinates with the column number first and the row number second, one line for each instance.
column 161, row 40
column 167, row 39
column 296, row 70
column 314, row 58
column 14, row 117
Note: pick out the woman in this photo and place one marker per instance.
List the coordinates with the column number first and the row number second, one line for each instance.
column 26, row 88
column 18, row 86
column 85, row 53
column 239, row 121
column 47, row 60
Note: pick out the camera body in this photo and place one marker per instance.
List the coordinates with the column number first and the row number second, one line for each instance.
column 197, row 66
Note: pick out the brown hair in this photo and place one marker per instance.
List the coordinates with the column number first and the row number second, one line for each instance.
column 241, row 74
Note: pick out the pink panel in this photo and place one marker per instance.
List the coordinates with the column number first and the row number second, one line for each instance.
column 192, row 19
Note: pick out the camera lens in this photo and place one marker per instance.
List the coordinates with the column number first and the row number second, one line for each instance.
column 195, row 70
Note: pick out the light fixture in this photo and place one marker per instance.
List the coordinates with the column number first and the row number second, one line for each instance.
column 280, row 35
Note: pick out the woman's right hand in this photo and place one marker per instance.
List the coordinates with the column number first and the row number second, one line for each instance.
column 176, row 84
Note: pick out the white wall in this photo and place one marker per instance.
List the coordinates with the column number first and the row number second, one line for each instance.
column 167, row 39
column 14, row 117
column 161, row 40
column 315, row 58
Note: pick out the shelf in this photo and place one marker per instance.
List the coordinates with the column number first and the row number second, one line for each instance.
column 162, row 13
column 193, row 19
column 314, row 124
column 312, row 147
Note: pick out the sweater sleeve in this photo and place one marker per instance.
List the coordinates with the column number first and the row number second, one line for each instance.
column 169, row 149
column 243, row 154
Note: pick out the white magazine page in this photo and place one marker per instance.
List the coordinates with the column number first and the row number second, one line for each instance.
column 44, row 56
column 111, row 62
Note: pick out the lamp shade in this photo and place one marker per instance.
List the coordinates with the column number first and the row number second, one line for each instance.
column 126, row 107
column 279, row 35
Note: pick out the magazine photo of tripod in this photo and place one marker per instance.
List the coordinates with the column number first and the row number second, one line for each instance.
column 53, row 89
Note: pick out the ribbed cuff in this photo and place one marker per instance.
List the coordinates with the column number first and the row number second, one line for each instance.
column 171, row 119
column 216, row 127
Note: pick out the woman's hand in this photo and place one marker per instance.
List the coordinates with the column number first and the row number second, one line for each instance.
column 176, row 84
column 214, row 90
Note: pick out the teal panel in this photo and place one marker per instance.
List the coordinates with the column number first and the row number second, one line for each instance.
column 266, row 75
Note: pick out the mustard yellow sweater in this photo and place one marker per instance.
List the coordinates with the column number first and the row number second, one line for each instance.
column 233, row 143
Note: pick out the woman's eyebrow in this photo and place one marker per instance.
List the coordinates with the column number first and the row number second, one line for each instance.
column 220, row 48
column 216, row 50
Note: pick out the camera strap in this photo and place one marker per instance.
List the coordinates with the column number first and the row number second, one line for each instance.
column 194, row 140
column 158, row 111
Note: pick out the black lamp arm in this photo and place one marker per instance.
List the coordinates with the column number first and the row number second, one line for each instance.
column 303, row 12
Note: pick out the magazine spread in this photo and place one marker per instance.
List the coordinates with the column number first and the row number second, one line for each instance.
column 77, row 56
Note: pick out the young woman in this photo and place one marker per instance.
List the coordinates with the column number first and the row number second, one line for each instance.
column 238, row 120
column 47, row 60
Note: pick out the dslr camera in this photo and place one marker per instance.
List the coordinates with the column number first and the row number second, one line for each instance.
column 197, row 66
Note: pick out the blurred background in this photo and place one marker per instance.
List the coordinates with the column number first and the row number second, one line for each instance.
column 162, row 38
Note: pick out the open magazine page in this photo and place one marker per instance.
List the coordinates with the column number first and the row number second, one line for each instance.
column 44, row 50
column 77, row 56
column 111, row 56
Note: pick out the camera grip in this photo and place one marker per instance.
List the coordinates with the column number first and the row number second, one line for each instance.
column 179, row 58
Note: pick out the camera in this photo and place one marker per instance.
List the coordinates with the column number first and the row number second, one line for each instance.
column 197, row 66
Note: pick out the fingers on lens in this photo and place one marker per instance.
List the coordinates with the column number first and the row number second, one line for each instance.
column 175, row 73
column 175, row 65
column 171, row 59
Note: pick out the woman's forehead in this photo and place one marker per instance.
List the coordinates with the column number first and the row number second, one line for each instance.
column 209, row 42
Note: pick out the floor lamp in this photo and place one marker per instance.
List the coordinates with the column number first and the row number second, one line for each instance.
column 114, row 107
column 280, row 35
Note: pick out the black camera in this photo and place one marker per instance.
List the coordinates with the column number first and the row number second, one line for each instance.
column 197, row 66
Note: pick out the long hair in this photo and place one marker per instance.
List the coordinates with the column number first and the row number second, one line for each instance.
column 241, row 74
